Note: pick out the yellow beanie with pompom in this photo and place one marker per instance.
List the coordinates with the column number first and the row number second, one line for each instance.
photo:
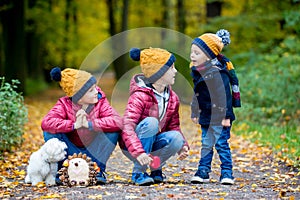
column 154, row 62
column 75, row 83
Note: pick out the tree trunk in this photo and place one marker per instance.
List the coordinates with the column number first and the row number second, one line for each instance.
column 12, row 20
column 181, row 16
column 75, row 21
column 66, row 34
column 112, row 23
column 164, row 20
column 181, row 22
column 33, row 47
column 119, row 44
column 213, row 8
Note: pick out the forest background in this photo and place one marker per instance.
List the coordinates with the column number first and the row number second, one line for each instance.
column 36, row 35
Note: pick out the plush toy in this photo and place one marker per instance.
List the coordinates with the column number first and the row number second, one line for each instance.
column 42, row 165
column 78, row 170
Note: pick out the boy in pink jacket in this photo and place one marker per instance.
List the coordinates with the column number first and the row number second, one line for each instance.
column 151, row 120
column 83, row 119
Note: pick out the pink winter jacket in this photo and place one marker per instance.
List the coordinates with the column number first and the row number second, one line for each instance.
column 61, row 119
column 141, row 104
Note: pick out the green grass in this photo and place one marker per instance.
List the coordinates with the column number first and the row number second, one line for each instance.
column 284, row 140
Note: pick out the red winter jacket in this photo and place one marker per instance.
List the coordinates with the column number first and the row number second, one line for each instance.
column 141, row 104
column 61, row 119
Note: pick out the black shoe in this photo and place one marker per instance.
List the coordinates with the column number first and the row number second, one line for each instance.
column 200, row 177
column 227, row 179
column 157, row 176
column 58, row 181
column 101, row 179
column 141, row 179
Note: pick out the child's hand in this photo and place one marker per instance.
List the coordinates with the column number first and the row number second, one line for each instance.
column 144, row 159
column 183, row 153
column 85, row 122
column 80, row 119
column 226, row 122
column 77, row 125
column 80, row 113
column 195, row 120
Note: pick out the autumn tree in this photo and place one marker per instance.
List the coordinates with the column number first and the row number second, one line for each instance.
column 118, row 43
column 213, row 8
column 12, row 18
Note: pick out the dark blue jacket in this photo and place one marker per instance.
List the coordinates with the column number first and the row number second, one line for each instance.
column 213, row 94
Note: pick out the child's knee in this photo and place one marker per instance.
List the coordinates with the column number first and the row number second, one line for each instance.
column 48, row 136
column 147, row 128
column 151, row 122
column 177, row 141
column 113, row 137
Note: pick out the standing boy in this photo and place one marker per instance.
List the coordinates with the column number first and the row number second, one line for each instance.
column 216, row 93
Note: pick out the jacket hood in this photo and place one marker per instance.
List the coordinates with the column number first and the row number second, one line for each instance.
column 100, row 92
column 138, row 83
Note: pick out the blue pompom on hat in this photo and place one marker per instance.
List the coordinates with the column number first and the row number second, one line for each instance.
column 135, row 54
column 55, row 74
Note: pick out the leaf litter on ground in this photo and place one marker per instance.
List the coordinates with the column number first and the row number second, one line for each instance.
column 259, row 174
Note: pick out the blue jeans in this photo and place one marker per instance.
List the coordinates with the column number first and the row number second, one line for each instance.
column 215, row 136
column 163, row 145
column 99, row 150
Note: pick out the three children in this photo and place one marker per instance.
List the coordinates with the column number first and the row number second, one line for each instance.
column 86, row 122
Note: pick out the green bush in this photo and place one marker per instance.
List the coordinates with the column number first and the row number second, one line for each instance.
column 270, row 86
column 270, row 93
column 13, row 115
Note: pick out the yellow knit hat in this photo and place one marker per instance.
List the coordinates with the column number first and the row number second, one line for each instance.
column 212, row 44
column 154, row 62
column 75, row 83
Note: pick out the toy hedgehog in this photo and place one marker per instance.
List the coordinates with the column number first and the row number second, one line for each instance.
column 78, row 170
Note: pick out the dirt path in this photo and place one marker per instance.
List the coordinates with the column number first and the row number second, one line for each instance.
column 258, row 174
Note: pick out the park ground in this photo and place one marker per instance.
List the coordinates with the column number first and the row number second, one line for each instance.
column 259, row 174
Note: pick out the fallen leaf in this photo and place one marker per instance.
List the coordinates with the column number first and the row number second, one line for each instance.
column 99, row 196
column 222, row 194
column 176, row 174
column 51, row 196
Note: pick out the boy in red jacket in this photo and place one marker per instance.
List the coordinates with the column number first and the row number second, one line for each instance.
column 151, row 120
column 83, row 119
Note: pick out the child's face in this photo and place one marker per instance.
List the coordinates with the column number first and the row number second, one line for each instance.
column 90, row 97
column 169, row 77
column 197, row 55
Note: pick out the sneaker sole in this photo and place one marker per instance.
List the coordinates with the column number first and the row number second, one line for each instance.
column 158, row 180
column 100, row 183
column 145, row 184
column 227, row 181
column 196, row 180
